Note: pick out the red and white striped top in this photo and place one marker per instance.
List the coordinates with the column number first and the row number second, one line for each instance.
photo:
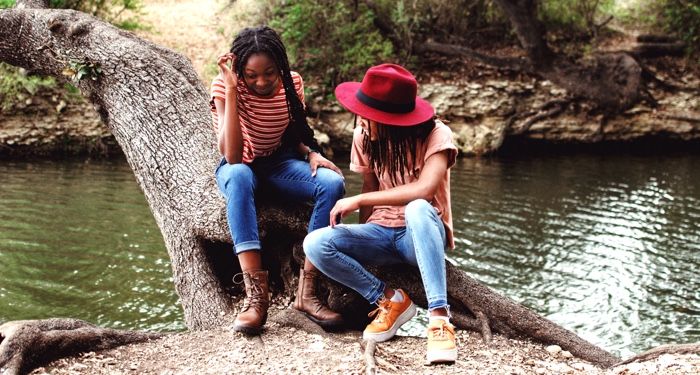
column 263, row 120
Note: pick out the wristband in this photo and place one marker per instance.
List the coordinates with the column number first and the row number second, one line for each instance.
column 306, row 157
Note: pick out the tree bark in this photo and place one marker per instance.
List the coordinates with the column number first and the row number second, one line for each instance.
column 152, row 101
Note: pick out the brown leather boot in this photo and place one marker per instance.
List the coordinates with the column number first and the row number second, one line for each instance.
column 308, row 303
column 254, row 313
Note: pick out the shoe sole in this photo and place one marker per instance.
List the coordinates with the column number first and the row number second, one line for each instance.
column 401, row 320
column 327, row 325
column 250, row 331
column 439, row 356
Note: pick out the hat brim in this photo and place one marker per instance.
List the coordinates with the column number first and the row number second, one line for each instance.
column 345, row 93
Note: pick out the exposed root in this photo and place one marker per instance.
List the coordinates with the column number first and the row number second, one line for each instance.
column 27, row 344
column 661, row 350
column 370, row 363
column 547, row 110
column 484, row 326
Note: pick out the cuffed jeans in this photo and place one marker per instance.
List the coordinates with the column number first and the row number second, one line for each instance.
column 285, row 174
column 340, row 252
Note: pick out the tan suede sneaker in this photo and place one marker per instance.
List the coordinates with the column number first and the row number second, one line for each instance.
column 441, row 342
column 390, row 316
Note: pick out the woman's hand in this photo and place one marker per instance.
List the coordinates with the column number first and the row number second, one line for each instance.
column 229, row 76
column 317, row 160
column 343, row 208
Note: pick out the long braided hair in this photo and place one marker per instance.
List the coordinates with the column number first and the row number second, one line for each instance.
column 264, row 39
column 394, row 151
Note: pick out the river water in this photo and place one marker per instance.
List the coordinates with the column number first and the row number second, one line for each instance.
column 607, row 246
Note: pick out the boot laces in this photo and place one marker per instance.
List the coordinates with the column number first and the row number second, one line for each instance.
column 253, row 291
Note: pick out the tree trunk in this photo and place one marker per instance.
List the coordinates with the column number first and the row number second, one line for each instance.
column 152, row 101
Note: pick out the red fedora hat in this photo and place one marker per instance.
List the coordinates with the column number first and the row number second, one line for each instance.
column 388, row 95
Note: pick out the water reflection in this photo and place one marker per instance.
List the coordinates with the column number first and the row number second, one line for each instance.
column 78, row 240
column 605, row 246
column 590, row 242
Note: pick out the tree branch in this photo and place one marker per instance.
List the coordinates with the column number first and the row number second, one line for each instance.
column 513, row 63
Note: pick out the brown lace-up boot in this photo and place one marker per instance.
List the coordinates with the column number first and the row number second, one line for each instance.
column 308, row 303
column 254, row 313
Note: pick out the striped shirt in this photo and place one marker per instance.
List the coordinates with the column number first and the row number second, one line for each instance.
column 263, row 120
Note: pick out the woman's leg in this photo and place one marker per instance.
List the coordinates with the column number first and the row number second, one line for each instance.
column 342, row 251
column 292, row 178
column 237, row 182
column 423, row 246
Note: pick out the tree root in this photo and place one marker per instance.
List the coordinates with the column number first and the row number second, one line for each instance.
column 661, row 350
column 547, row 110
column 370, row 363
column 511, row 319
column 27, row 344
column 371, row 352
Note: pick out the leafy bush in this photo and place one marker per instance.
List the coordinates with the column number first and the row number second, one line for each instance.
column 7, row 3
column 122, row 13
column 332, row 38
column 575, row 15
column 16, row 86
column 683, row 18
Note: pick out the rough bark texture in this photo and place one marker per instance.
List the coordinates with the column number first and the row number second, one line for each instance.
column 151, row 100
column 27, row 344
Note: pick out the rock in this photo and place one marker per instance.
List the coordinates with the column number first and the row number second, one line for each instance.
column 61, row 106
column 566, row 354
column 553, row 350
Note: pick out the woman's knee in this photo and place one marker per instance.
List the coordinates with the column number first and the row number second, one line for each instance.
column 419, row 208
column 236, row 176
column 316, row 245
column 330, row 183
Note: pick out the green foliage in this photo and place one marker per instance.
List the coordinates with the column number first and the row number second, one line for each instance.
column 7, row 4
column 582, row 15
column 122, row 13
column 333, row 39
column 78, row 70
column 16, row 85
column 683, row 18
column 676, row 17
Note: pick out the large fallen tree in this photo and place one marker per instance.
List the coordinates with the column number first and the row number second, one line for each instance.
column 153, row 102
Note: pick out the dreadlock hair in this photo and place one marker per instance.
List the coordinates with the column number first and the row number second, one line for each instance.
column 264, row 39
column 394, row 151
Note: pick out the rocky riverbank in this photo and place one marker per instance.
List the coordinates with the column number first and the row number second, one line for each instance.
column 50, row 125
column 481, row 113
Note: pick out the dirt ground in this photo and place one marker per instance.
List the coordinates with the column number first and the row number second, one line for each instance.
column 200, row 30
column 283, row 349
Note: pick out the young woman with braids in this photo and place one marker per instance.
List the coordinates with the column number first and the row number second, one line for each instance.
column 404, row 156
column 263, row 135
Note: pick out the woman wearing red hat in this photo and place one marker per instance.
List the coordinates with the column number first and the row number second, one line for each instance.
column 404, row 155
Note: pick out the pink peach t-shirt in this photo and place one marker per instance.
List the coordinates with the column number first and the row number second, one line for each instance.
column 439, row 139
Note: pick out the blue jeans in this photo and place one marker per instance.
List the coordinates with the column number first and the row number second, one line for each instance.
column 287, row 175
column 340, row 252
